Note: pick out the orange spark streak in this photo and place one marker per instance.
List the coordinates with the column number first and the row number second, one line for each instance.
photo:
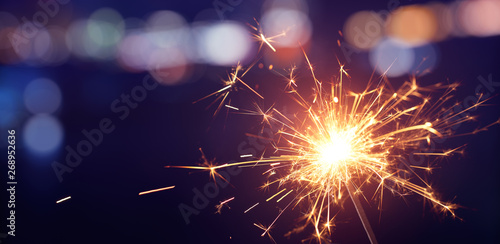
column 156, row 190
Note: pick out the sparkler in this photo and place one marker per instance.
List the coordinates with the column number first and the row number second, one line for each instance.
column 344, row 141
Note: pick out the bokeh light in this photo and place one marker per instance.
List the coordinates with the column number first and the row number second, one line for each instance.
column 105, row 28
column 22, row 42
column 43, row 134
column 224, row 43
column 298, row 5
column 392, row 57
column 58, row 52
column 97, row 37
column 416, row 25
column 364, row 29
column 165, row 20
column 167, row 45
column 167, row 29
column 42, row 96
column 78, row 40
column 480, row 18
column 168, row 66
column 42, row 44
column 134, row 51
column 293, row 24
column 445, row 20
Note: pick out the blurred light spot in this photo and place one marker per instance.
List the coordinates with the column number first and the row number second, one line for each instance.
column 38, row 49
column 13, row 82
column 97, row 37
column 170, row 38
column 426, row 59
column 299, row 5
column 392, row 57
column 23, row 46
column 165, row 49
column 134, row 52
column 168, row 66
column 480, row 18
column 42, row 96
column 57, row 52
column 42, row 44
column 105, row 29
column 167, row 29
column 43, row 134
column 9, row 106
column 457, row 29
column 415, row 25
column 364, row 29
column 445, row 20
column 78, row 40
column 165, row 20
column 295, row 25
column 224, row 44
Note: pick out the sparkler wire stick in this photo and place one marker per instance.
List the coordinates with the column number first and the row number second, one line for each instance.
column 361, row 213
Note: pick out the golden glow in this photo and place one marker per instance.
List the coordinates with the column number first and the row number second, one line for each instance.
column 336, row 150
column 341, row 141
column 414, row 24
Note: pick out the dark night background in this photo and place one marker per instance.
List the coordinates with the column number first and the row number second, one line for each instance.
column 167, row 129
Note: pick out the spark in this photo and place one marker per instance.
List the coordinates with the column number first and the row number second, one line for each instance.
column 156, row 190
column 290, row 78
column 265, row 229
column 233, row 83
column 343, row 141
column 250, row 208
column 263, row 39
column 222, row 204
column 231, row 107
column 269, row 199
column 63, row 199
column 281, row 198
